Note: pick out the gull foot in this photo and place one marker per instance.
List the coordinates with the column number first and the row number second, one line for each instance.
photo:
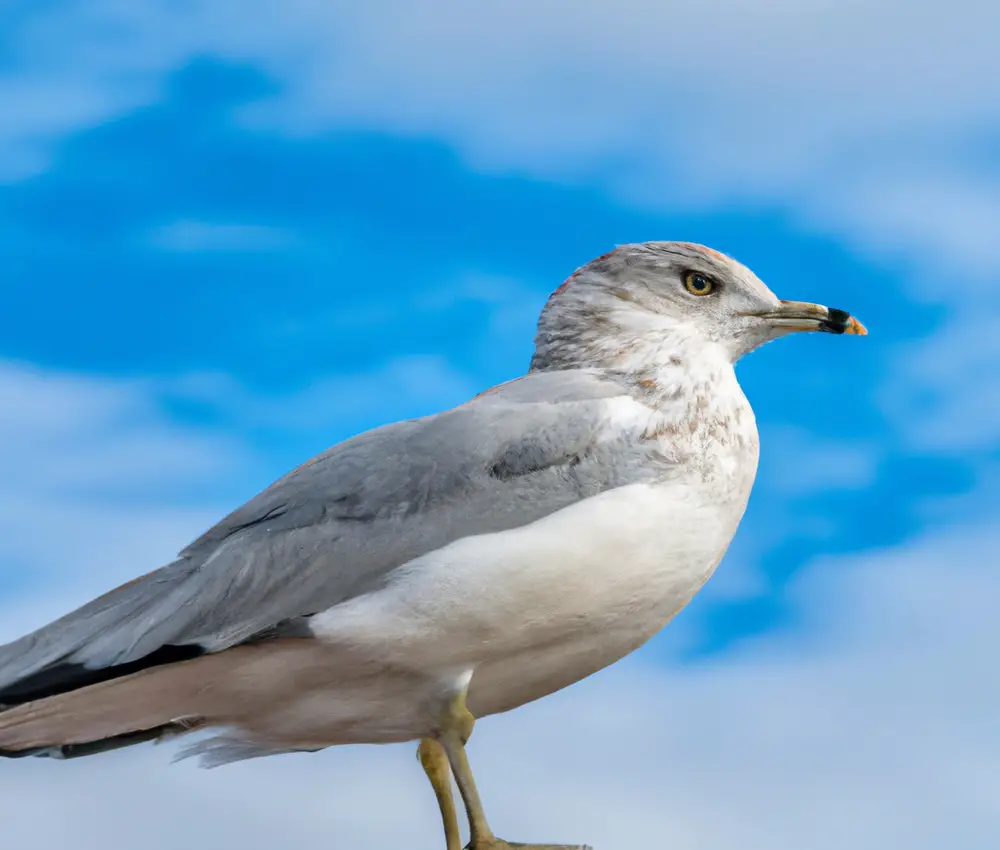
column 500, row 844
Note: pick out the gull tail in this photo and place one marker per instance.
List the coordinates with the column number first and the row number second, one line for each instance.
column 144, row 706
column 245, row 691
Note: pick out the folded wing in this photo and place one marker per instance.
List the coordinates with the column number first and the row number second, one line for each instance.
column 336, row 527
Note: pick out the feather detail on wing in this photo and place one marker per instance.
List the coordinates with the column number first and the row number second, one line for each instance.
column 338, row 526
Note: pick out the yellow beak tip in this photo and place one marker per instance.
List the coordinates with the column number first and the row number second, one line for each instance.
column 855, row 327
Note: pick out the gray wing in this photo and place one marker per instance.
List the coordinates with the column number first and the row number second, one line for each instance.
column 340, row 524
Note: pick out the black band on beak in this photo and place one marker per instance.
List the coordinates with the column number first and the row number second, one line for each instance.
column 837, row 322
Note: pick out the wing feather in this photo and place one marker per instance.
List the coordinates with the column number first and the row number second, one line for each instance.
column 338, row 525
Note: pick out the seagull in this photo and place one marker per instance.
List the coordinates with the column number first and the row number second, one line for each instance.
column 428, row 572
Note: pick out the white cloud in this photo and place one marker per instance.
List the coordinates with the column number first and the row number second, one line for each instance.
column 74, row 65
column 857, row 115
column 945, row 394
column 944, row 227
column 77, row 453
column 88, row 432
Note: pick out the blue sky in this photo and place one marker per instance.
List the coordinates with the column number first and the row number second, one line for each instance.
column 233, row 235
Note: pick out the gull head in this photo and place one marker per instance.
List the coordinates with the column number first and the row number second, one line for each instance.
column 670, row 296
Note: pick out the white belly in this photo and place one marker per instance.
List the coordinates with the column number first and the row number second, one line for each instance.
column 530, row 610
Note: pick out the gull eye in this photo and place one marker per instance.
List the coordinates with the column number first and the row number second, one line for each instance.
column 698, row 284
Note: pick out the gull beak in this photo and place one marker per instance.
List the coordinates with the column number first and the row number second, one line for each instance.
column 803, row 316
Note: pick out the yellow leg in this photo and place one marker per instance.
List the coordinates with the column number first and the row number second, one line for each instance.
column 456, row 727
column 435, row 763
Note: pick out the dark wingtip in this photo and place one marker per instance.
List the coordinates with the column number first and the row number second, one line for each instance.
column 69, row 677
